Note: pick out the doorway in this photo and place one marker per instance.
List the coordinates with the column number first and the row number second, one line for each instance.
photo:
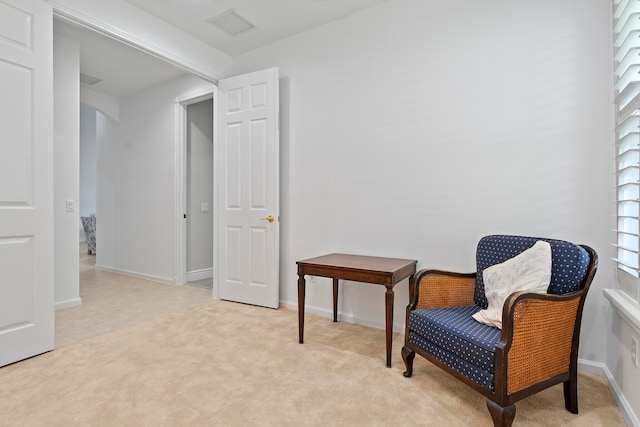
column 135, row 192
column 263, row 93
column 199, row 193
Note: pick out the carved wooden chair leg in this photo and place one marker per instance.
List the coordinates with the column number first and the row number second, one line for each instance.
column 502, row 416
column 408, row 356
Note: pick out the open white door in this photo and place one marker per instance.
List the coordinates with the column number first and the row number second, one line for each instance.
column 248, row 189
column 26, row 179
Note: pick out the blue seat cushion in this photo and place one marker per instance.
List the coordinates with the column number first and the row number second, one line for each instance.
column 476, row 374
column 569, row 262
column 454, row 337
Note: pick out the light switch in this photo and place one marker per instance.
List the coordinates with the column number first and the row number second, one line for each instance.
column 71, row 205
column 204, row 207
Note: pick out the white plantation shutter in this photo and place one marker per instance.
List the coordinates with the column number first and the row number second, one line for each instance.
column 626, row 28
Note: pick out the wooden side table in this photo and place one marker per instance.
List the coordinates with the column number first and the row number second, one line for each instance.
column 375, row 270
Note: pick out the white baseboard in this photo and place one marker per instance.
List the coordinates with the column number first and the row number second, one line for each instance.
column 165, row 280
column 67, row 303
column 600, row 369
column 590, row 367
column 206, row 273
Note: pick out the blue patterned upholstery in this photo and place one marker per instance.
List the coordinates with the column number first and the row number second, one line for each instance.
column 469, row 370
column 569, row 262
column 455, row 338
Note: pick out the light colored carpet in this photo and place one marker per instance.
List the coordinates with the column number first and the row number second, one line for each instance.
column 230, row 364
column 112, row 301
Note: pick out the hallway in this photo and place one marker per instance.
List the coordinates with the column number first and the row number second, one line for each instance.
column 112, row 301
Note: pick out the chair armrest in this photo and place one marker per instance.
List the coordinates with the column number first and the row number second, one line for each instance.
column 537, row 339
column 437, row 288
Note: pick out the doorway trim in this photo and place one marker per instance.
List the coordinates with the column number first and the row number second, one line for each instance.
column 180, row 225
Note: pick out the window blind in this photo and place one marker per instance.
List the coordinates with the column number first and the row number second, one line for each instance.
column 626, row 29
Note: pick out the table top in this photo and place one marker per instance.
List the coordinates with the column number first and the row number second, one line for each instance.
column 358, row 267
column 359, row 262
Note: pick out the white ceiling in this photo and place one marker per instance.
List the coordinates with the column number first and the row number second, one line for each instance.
column 125, row 70
column 273, row 19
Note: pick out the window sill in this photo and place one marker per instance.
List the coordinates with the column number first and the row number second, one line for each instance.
column 625, row 308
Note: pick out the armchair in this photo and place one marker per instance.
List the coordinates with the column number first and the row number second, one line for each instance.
column 89, row 226
column 537, row 346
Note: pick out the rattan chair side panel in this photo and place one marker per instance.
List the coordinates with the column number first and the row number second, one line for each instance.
column 542, row 341
column 437, row 290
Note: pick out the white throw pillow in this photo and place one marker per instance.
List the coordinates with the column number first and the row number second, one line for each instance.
column 528, row 271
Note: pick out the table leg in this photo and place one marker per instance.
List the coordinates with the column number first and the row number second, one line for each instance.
column 388, row 297
column 301, row 289
column 335, row 300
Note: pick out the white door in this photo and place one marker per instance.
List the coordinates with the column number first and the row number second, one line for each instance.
column 248, row 189
column 26, row 179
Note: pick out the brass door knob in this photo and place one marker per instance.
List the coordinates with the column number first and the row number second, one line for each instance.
column 269, row 218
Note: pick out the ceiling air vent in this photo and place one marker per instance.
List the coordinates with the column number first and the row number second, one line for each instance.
column 231, row 23
column 90, row 80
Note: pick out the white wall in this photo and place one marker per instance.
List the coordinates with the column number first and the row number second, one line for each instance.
column 136, row 182
column 411, row 130
column 66, row 75
column 199, row 186
column 106, row 104
column 623, row 374
column 125, row 20
column 88, row 163
column 107, row 164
